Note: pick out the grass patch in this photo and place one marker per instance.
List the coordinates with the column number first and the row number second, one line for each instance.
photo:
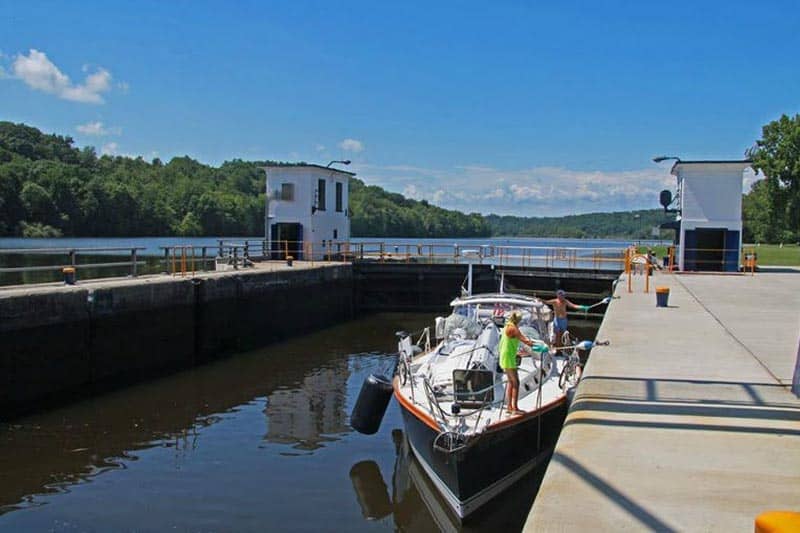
column 659, row 249
column 773, row 254
column 768, row 254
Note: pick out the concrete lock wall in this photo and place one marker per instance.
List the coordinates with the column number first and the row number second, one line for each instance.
column 63, row 341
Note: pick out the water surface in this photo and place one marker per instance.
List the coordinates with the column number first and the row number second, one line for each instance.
column 258, row 441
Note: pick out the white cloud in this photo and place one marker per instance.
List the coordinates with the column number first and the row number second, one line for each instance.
column 109, row 149
column 97, row 128
column 123, row 87
column 319, row 147
column 41, row 74
column 352, row 145
column 411, row 191
column 535, row 191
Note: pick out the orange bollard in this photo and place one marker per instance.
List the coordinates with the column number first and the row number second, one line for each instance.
column 778, row 522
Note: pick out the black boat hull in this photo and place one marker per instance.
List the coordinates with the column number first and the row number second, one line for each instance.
column 491, row 462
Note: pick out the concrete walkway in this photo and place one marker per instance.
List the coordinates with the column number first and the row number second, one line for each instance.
column 258, row 267
column 685, row 422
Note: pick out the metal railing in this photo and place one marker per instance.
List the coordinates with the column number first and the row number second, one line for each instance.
column 186, row 259
column 605, row 258
column 71, row 259
column 718, row 259
column 637, row 263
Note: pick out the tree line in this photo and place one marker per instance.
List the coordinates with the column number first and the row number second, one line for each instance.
column 623, row 224
column 771, row 210
column 49, row 187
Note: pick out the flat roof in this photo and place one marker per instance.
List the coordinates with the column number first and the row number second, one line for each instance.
column 307, row 165
column 745, row 162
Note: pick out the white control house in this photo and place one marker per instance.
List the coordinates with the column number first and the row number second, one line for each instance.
column 709, row 223
column 307, row 208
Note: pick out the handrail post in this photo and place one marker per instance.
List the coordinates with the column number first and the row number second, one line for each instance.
column 133, row 262
column 166, row 259
column 203, row 250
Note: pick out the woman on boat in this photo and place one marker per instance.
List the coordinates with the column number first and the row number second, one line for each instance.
column 509, row 344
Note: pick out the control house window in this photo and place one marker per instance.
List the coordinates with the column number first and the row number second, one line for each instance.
column 287, row 192
column 321, row 195
column 338, row 197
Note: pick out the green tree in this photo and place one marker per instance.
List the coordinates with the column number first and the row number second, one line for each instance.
column 190, row 226
column 777, row 156
column 38, row 203
column 757, row 215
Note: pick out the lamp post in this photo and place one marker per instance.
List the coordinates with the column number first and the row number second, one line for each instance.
column 341, row 162
column 661, row 158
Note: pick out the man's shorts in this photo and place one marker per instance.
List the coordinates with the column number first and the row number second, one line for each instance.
column 560, row 324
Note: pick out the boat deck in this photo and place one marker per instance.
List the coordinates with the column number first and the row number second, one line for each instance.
column 686, row 421
column 475, row 420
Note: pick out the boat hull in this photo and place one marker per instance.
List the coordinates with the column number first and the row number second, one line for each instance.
column 491, row 462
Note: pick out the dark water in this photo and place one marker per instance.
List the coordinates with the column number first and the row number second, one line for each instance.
column 259, row 441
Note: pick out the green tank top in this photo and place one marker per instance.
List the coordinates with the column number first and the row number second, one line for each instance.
column 507, row 349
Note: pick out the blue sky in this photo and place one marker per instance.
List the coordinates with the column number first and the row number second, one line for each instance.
column 529, row 108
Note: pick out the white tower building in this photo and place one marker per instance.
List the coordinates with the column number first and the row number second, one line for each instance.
column 307, row 208
column 710, row 214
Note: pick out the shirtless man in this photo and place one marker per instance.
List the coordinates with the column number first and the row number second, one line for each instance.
column 560, row 304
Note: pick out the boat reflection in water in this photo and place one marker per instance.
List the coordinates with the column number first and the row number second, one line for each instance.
column 416, row 505
column 312, row 412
